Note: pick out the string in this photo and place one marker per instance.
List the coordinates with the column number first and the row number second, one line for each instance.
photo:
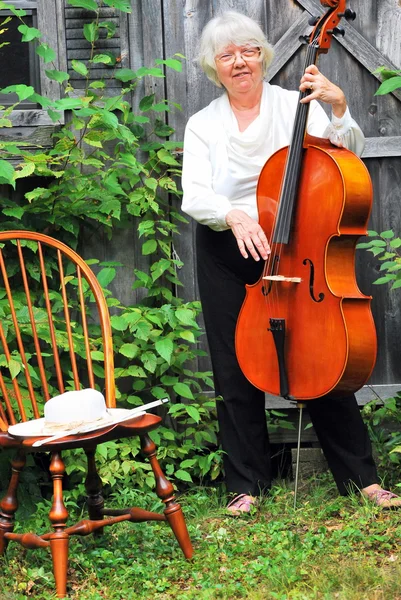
column 285, row 205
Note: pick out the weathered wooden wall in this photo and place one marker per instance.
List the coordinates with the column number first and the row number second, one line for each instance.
column 373, row 39
column 161, row 28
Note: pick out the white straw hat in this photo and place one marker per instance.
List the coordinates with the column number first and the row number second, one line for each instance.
column 71, row 413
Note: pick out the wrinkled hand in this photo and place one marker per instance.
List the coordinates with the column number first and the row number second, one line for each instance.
column 249, row 234
column 322, row 89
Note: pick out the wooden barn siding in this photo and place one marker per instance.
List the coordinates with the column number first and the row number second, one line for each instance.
column 157, row 28
column 370, row 41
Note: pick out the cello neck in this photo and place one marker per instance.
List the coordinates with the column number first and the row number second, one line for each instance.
column 320, row 40
column 289, row 189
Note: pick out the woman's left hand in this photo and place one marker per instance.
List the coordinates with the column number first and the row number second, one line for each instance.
column 322, row 89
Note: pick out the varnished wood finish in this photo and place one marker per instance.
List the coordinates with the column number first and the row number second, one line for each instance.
column 58, row 516
column 12, row 409
column 9, row 503
column 328, row 347
column 165, row 491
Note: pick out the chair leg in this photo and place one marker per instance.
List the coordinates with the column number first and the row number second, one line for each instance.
column 94, row 487
column 58, row 516
column 165, row 491
column 9, row 503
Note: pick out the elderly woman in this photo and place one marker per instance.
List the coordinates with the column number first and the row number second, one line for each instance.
column 226, row 145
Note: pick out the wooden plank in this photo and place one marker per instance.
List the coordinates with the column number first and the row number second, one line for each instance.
column 279, row 17
column 356, row 44
column 79, row 23
column 251, row 8
column 52, row 34
column 38, row 136
column 81, row 13
column 74, row 34
column 366, row 394
column 77, row 43
column 389, row 29
column 382, row 146
column 288, row 44
column 28, row 118
column 61, row 39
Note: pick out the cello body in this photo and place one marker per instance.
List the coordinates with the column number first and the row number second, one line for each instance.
column 329, row 346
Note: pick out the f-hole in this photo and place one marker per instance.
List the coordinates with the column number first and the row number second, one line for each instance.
column 267, row 288
column 308, row 261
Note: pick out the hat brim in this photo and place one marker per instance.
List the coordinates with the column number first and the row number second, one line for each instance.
column 37, row 427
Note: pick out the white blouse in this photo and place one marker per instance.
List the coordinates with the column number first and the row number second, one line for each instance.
column 222, row 165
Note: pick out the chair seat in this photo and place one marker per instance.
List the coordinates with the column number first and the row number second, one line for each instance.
column 135, row 426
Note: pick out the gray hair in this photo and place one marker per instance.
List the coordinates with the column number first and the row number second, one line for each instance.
column 231, row 28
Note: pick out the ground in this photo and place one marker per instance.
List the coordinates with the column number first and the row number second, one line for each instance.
column 327, row 548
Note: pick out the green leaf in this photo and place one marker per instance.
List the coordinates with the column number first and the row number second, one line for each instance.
column 387, row 234
column 106, row 276
column 182, row 389
column 123, row 5
column 26, row 170
column 378, row 243
column 162, row 129
column 193, row 413
column 79, row 67
column 125, row 75
column 173, row 63
column 384, row 279
column 185, row 315
column 188, row 336
column 97, row 355
column 91, row 32
column 183, row 475
column 56, row 75
column 102, row 58
column 15, row 368
column 136, row 371
column 118, row 323
column 149, row 247
column 165, row 348
column 149, row 361
column 88, row 4
column 146, row 102
column 129, row 350
column 45, row 52
column 388, row 86
column 97, row 85
column 154, row 72
column 68, row 103
column 28, row 33
column 54, row 115
column 17, row 212
column 22, row 91
column 396, row 243
column 6, row 173
column 165, row 157
column 396, row 285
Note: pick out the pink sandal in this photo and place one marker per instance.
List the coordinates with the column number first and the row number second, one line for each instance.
column 385, row 499
column 241, row 504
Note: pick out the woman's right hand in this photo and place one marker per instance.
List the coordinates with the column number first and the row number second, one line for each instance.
column 249, row 234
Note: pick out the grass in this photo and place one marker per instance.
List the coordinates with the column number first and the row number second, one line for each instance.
column 328, row 548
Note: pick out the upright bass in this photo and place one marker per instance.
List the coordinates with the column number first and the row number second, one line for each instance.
column 305, row 329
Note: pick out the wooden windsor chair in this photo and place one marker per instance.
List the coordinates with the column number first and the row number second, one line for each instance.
column 38, row 302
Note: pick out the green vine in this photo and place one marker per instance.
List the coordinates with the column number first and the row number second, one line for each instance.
column 111, row 166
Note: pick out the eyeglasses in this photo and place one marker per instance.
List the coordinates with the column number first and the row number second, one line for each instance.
column 248, row 55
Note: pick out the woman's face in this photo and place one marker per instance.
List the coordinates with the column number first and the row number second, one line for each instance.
column 244, row 74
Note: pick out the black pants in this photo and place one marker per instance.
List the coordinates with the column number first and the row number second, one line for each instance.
column 222, row 275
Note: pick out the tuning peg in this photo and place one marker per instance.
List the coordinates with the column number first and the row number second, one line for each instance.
column 304, row 39
column 313, row 20
column 349, row 14
column 339, row 31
